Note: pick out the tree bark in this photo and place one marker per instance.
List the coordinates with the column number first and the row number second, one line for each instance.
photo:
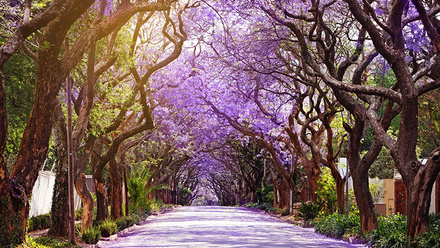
column 123, row 171
column 101, row 195
column 60, row 209
column 11, row 220
column 284, row 194
column 116, row 191
column 126, row 191
column 7, row 235
column 86, row 199
column 437, row 193
column 340, row 190
column 419, row 193
column 364, row 201
column 98, row 179
column 359, row 174
column 311, row 166
column 80, row 182
column 313, row 176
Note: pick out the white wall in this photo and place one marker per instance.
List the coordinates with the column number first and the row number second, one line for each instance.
column 41, row 200
column 42, row 192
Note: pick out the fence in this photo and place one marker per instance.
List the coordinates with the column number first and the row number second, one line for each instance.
column 41, row 201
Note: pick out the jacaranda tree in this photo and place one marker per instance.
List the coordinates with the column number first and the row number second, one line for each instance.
column 339, row 42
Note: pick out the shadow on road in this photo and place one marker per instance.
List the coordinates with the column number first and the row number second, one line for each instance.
column 214, row 226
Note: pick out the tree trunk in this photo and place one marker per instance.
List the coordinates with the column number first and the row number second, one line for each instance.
column 310, row 166
column 359, row 174
column 340, row 189
column 98, row 179
column 33, row 150
column 123, row 171
column 11, row 208
column 284, row 194
column 364, row 201
column 101, row 195
column 116, row 191
column 14, row 211
column 60, row 209
column 86, row 199
column 304, row 193
column 59, row 226
column 32, row 153
column 126, row 191
column 275, row 191
column 313, row 176
column 418, row 210
column 10, row 233
column 437, row 193
column 419, row 193
column 80, row 182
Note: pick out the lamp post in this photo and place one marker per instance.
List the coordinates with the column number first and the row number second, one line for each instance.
column 70, row 180
column 346, row 189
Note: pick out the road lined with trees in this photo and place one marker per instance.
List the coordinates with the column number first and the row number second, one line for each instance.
column 214, row 226
column 217, row 102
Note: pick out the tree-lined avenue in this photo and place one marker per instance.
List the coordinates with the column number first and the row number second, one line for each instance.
column 215, row 226
column 250, row 103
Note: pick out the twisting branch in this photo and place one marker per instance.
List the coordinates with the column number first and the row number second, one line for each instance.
column 430, row 29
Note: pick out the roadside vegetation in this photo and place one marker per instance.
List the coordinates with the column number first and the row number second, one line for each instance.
column 391, row 232
column 139, row 210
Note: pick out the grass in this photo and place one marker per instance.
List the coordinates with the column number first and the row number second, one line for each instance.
column 47, row 242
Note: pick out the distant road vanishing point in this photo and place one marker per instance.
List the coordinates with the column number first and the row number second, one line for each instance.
column 214, row 226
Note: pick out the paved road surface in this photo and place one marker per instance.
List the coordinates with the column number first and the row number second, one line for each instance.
column 220, row 227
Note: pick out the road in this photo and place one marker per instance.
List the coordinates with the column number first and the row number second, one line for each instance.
column 214, row 226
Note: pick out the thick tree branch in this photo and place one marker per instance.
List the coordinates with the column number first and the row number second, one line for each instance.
column 28, row 27
column 371, row 28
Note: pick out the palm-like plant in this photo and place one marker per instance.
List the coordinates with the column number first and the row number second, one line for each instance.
column 138, row 188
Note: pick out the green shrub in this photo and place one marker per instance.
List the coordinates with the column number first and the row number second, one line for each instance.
column 122, row 223
column 434, row 222
column 309, row 210
column 91, row 235
column 30, row 243
column 127, row 221
column 78, row 214
column 136, row 218
column 107, row 228
column 54, row 242
column 353, row 223
column 429, row 239
column 78, row 227
column 46, row 242
column 39, row 222
column 250, row 205
column 281, row 211
column 154, row 205
column 265, row 194
column 263, row 206
column 97, row 223
column 391, row 232
column 337, row 225
column 326, row 192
